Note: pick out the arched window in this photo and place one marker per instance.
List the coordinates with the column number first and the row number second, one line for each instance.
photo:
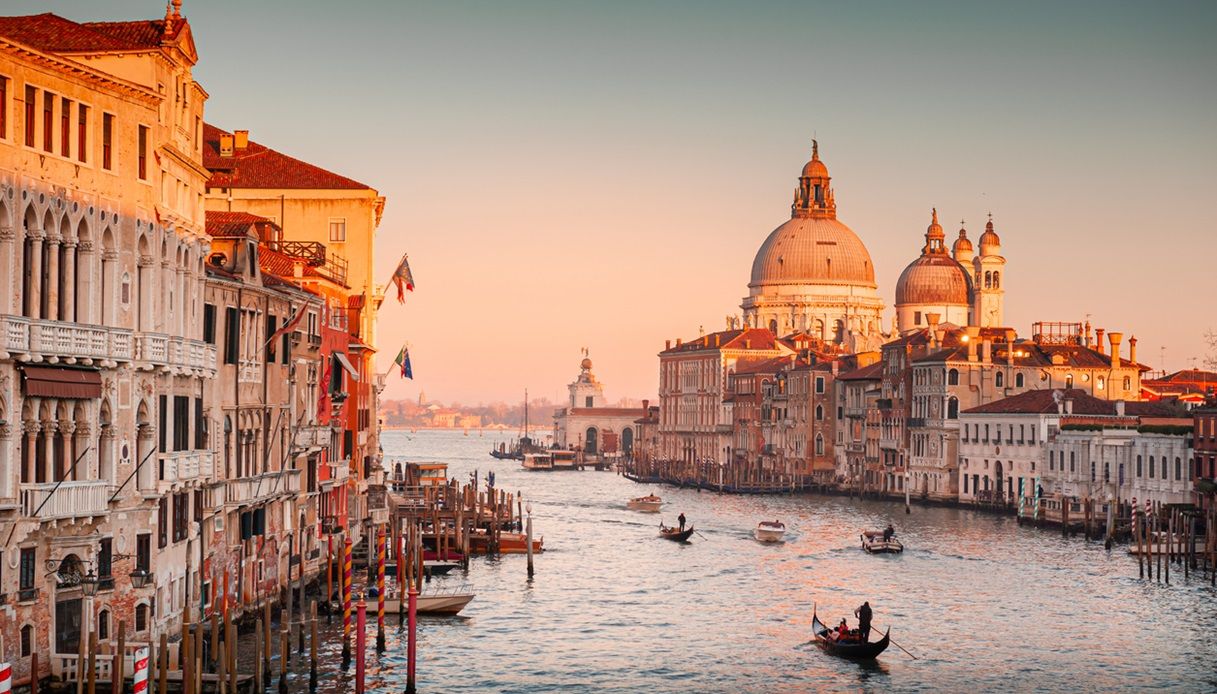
column 1051, row 460
column 1072, row 462
column 773, row 326
column 1178, row 469
column 819, row 413
column 1100, row 383
column 819, row 444
column 1068, row 381
column 999, row 379
column 996, row 279
column 953, row 377
column 27, row 640
column 1151, row 467
column 840, row 412
column 1018, row 380
column 1164, row 472
column 988, row 280
column 952, row 408
column 141, row 617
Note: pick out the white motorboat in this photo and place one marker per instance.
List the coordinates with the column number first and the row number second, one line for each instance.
column 874, row 543
column 647, row 504
column 769, row 531
column 439, row 602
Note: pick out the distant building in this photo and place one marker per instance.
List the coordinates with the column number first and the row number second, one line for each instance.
column 1204, row 445
column 588, row 425
column 1190, row 386
column 857, row 440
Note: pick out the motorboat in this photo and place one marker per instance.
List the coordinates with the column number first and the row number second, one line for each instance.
column 647, row 504
column 873, row 542
column 769, row 531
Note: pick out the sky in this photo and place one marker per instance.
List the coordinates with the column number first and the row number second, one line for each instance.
column 576, row 174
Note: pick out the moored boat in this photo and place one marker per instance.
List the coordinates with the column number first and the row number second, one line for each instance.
column 873, row 542
column 769, row 531
column 675, row 534
column 647, row 504
column 855, row 650
column 433, row 602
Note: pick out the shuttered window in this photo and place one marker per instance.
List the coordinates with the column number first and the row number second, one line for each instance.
column 232, row 335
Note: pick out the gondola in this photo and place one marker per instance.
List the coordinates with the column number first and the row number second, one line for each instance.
column 854, row 650
column 676, row 534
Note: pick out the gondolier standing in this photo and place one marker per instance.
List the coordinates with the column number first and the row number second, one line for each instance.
column 681, row 519
column 863, row 614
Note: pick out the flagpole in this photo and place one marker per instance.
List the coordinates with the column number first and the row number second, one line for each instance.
column 396, row 268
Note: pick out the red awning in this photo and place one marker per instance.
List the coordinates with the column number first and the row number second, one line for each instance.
column 58, row 382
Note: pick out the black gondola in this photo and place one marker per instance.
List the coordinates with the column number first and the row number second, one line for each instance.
column 851, row 650
column 676, row 534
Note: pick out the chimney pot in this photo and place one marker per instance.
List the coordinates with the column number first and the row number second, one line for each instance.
column 667, row 344
column 1132, row 349
column 1119, row 408
column 1115, row 339
column 1068, row 405
column 241, row 139
column 1098, row 339
column 226, row 145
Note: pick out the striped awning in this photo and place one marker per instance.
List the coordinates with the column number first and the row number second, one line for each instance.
column 346, row 364
column 61, row 382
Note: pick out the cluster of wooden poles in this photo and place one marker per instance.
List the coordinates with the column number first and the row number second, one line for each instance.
column 1169, row 537
column 733, row 478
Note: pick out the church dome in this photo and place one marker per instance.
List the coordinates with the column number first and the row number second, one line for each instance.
column 962, row 243
column 813, row 250
column 990, row 242
column 933, row 279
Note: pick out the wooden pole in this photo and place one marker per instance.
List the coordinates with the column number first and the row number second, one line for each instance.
column 230, row 648
column 1170, row 537
column 380, row 590
column 1137, row 531
column 162, row 665
column 258, row 633
column 118, row 683
column 312, row 655
column 222, row 672
column 216, row 657
column 186, row 657
column 329, row 578
column 83, row 648
column 285, row 649
column 266, row 646
column 92, row 664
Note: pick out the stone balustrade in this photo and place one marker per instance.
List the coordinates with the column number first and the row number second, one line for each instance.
column 48, row 339
column 252, row 490
column 45, row 502
column 182, row 467
column 160, row 350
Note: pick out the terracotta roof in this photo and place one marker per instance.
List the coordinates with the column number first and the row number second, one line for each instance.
column 1191, row 376
column 54, row 34
column 258, row 166
column 874, row 372
column 771, row 365
column 605, row 411
column 222, row 224
column 748, row 338
column 1043, row 402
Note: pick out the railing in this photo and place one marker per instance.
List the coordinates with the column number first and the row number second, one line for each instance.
column 65, row 339
column 249, row 490
column 915, row 422
column 184, row 466
column 63, row 666
column 340, row 470
column 70, row 500
column 164, row 350
column 313, row 436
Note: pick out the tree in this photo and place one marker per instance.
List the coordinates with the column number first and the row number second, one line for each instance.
column 1210, row 359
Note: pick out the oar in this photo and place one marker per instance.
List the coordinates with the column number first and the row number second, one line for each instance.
column 893, row 642
column 700, row 535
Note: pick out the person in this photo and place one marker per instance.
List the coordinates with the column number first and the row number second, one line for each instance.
column 842, row 631
column 681, row 518
column 888, row 532
column 863, row 614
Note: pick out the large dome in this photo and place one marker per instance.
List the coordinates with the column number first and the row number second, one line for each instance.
column 934, row 278
column 813, row 250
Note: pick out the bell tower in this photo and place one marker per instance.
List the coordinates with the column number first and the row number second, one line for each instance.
column 989, row 268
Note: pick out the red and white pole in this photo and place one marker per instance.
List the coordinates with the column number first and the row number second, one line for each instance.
column 6, row 678
column 380, row 590
column 361, row 639
column 140, row 675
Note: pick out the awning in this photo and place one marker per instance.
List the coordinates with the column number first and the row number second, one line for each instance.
column 59, row 382
column 342, row 359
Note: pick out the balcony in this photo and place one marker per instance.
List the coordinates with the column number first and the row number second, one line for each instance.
column 252, row 490
column 182, row 467
column 340, row 471
column 70, row 500
column 312, row 437
column 71, row 342
column 165, row 351
column 916, row 422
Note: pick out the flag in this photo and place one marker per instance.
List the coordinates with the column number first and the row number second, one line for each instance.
column 323, row 395
column 403, row 360
column 289, row 326
column 403, row 279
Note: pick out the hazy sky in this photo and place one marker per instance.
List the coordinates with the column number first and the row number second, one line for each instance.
column 569, row 174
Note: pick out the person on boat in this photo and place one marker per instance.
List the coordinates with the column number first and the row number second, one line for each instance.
column 864, row 615
column 842, row 633
column 888, row 532
column 681, row 519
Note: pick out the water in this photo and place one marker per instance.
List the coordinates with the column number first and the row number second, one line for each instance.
column 984, row 604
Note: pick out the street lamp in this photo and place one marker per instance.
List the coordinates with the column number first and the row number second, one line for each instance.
column 88, row 584
column 140, row 578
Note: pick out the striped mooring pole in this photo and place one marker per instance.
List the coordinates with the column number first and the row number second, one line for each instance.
column 380, row 590
column 6, row 678
column 140, row 676
column 346, row 604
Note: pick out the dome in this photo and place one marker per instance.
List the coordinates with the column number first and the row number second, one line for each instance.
column 815, row 169
column 586, row 364
column 934, row 278
column 989, row 240
column 962, row 243
column 813, row 250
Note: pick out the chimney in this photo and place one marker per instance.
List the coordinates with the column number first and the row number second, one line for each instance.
column 1119, row 408
column 646, row 407
column 678, row 342
column 241, row 138
column 226, row 145
column 1098, row 339
column 1087, row 340
column 986, row 351
column 1115, row 348
column 718, row 339
column 972, row 334
column 667, row 344
column 1068, row 405
column 932, row 319
column 1010, row 346
column 1132, row 349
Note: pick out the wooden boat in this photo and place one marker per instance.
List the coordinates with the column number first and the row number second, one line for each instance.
column 855, row 650
column 873, row 542
column 769, row 531
column 438, row 602
column 647, row 504
column 675, row 534
column 509, row 543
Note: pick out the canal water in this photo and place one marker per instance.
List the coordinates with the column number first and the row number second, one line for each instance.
column 984, row 604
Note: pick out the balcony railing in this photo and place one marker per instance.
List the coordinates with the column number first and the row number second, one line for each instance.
column 313, row 436
column 251, row 490
column 182, row 467
column 70, row 500
column 340, row 470
column 157, row 349
column 48, row 338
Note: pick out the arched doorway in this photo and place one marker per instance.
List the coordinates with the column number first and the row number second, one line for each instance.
column 68, row 604
column 589, row 441
column 997, row 474
column 627, row 442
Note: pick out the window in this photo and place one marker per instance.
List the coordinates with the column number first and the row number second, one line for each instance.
column 1051, row 460
column 999, row 379
column 181, row 423
column 142, row 169
column 1072, row 461
column 3, row 107
column 141, row 617
column 1138, row 466
column 952, row 408
column 107, row 141
column 163, row 433
column 819, row 445
column 105, row 559
column 338, row 230
column 27, row 640
column 209, row 324
column 1164, row 473
column 819, row 384
column 82, row 133
column 162, row 522
column 1018, row 380
column 31, row 96
column 1100, row 383
column 271, row 327
column 103, row 625
column 65, row 127
column 1127, row 383
column 1092, row 471
column 143, row 552
column 953, row 377
column 232, row 335
column 28, row 569
column 1178, row 470
column 181, row 516
column 587, row 401
column 1151, row 467
column 819, row 413
column 200, row 425
column 916, row 317
column 48, row 122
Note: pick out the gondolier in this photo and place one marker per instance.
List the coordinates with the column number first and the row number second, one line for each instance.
column 681, row 519
column 863, row 614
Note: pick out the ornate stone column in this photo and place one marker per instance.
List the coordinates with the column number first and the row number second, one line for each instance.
column 34, row 289
column 67, row 454
column 83, row 290
column 51, row 451
column 52, row 278
column 6, row 472
column 85, row 470
column 106, row 298
column 144, row 274
column 32, row 428
column 69, row 283
column 11, row 277
column 146, row 444
column 105, row 455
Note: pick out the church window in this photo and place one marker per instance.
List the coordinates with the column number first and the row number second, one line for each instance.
column 1018, row 380
column 999, row 380
column 996, row 279
column 952, row 409
column 988, row 280
column 953, row 377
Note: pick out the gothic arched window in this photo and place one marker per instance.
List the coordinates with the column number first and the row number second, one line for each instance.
column 999, row 379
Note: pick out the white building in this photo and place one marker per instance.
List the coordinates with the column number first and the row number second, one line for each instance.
column 588, row 425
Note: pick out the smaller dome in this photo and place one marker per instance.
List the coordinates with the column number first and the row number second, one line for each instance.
column 962, row 243
column 586, row 364
column 989, row 241
column 935, row 279
column 815, row 168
